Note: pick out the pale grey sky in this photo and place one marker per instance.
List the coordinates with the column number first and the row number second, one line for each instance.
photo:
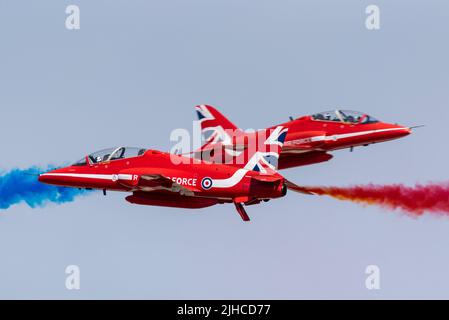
column 136, row 69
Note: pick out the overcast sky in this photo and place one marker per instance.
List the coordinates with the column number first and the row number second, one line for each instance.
column 134, row 72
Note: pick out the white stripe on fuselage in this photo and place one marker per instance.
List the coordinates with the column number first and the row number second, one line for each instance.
column 336, row 137
column 216, row 183
column 231, row 181
column 90, row 176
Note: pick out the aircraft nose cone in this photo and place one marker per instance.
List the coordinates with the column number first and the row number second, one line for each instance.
column 394, row 131
column 405, row 131
column 42, row 178
column 398, row 131
column 46, row 178
column 401, row 132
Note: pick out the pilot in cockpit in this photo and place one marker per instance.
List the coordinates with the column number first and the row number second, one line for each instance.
column 111, row 154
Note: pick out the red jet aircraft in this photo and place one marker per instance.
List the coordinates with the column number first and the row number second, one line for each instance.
column 309, row 140
column 163, row 179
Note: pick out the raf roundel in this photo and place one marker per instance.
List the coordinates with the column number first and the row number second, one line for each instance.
column 206, row 183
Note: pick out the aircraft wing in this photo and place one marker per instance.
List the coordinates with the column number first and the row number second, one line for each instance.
column 294, row 149
column 158, row 182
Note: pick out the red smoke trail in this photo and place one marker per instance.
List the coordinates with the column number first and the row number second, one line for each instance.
column 432, row 198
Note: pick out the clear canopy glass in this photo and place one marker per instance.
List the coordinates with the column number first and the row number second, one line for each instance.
column 345, row 116
column 112, row 154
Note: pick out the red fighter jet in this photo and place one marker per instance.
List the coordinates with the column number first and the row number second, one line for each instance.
column 163, row 179
column 310, row 138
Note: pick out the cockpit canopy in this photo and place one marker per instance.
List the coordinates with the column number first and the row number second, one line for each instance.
column 111, row 154
column 346, row 116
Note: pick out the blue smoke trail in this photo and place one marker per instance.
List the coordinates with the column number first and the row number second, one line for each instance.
column 21, row 185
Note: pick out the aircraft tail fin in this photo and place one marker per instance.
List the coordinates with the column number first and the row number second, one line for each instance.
column 262, row 150
column 215, row 127
column 226, row 143
column 262, row 155
column 256, row 151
